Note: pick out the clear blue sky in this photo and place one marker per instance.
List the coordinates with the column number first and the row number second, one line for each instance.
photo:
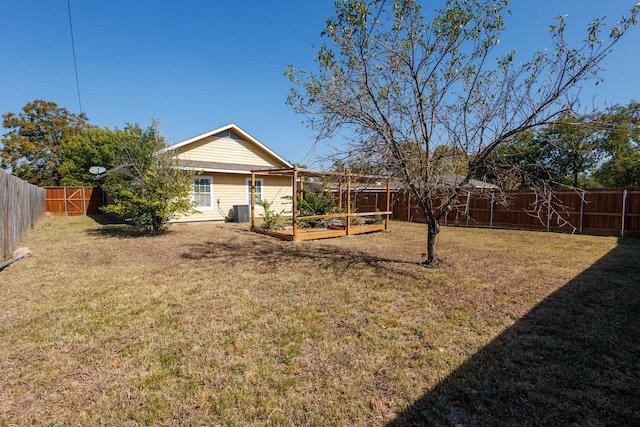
column 199, row 65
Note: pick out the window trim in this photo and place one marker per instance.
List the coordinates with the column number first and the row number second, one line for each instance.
column 210, row 192
column 248, row 187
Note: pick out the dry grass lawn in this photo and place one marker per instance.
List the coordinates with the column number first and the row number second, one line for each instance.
column 214, row 325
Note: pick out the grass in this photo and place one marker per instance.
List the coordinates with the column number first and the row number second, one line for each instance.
column 214, row 325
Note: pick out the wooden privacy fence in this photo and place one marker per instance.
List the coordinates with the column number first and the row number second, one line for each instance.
column 611, row 211
column 21, row 206
column 73, row 201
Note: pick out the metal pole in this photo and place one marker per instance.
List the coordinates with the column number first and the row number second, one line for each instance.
column 493, row 196
column 549, row 212
column 393, row 204
column 468, row 210
column 582, row 196
column 446, row 218
column 84, row 202
column 624, row 209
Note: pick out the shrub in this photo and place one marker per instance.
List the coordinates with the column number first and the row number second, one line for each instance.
column 316, row 201
column 270, row 219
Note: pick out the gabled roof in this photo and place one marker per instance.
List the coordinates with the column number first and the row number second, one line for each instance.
column 232, row 127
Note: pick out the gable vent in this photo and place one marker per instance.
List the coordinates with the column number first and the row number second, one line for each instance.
column 228, row 134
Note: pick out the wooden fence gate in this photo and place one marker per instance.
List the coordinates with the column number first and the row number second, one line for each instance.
column 73, row 201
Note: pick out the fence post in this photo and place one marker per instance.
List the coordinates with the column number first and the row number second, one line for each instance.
column 582, row 210
column 493, row 196
column 386, row 218
column 468, row 211
column 549, row 212
column 624, row 208
column 5, row 243
column 393, row 205
column 84, row 201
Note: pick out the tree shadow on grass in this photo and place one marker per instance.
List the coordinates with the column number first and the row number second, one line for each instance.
column 270, row 251
column 572, row 360
column 107, row 219
column 113, row 226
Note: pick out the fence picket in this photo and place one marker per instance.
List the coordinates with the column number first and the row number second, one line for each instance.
column 22, row 206
column 607, row 211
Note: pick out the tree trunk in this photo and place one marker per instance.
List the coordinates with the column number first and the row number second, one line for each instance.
column 433, row 229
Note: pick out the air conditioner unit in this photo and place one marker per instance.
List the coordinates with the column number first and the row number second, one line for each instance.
column 241, row 213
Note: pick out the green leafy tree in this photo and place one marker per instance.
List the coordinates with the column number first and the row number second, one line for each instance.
column 395, row 87
column 93, row 147
column 571, row 149
column 620, row 136
column 358, row 165
column 34, row 145
column 562, row 154
column 148, row 187
column 516, row 164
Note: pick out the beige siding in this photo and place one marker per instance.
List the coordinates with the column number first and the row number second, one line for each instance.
column 231, row 189
column 227, row 150
column 275, row 189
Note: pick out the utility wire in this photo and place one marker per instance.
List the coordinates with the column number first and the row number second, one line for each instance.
column 73, row 48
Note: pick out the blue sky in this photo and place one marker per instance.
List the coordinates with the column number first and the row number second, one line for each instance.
column 199, row 65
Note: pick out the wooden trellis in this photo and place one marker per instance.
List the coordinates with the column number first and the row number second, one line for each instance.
column 344, row 183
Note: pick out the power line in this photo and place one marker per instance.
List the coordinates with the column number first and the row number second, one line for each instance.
column 73, row 48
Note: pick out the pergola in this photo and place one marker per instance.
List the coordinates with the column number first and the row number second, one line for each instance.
column 351, row 225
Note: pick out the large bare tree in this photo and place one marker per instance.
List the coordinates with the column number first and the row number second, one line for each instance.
column 406, row 91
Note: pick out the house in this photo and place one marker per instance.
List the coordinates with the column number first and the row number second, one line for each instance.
column 225, row 157
column 455, row 180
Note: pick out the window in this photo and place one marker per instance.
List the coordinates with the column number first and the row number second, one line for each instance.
column 202, row 194
column 258, row 190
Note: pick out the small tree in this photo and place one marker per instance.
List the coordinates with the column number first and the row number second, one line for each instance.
column 147, row 186
column 398, row 87
column 271, row 219
column 315, row 201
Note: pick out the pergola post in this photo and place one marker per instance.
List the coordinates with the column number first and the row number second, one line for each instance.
column 253, row 199
column 347, row 226
column 294, row 207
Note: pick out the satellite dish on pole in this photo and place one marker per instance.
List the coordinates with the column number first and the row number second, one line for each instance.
column 97, row 170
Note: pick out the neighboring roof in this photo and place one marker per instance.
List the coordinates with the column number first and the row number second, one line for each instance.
column 372, row 186
column 454, row 180
column 233, row 127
